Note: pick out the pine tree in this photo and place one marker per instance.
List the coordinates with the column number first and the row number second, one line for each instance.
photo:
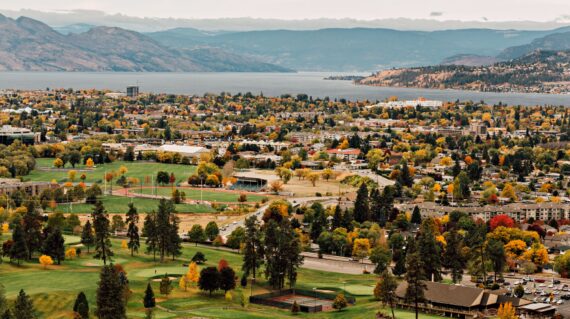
column 361, row 205
column 497, row 256
column 165, row 285
column 54, row 245
column 416, row 216
column 133, row 229
column 110, row 295
column 337, row 217
column 387, row 291
column 19, row 249
column 102, row 233
column 452, row 257
column 148, row 300
column 7, row 314
column 168, row 240
column 405, row 178
column 415, row 292
column 87, row 237
column 429, row 250
column 81, row 306
column 347, row 219
column 23, row 307
column 253, row 248
column 151, row 234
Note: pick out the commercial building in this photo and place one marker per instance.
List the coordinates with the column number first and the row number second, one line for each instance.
column 9, row 134
column 132, row 91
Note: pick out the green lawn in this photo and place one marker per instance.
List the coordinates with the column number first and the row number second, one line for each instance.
column 196, row 194
column 54, row 290
column 119, row 205
column 135, row 169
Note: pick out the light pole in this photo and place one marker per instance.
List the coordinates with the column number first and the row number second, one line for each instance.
column 315, row 291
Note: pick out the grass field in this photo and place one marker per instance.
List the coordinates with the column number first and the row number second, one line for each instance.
column 54, row 290
column 140, row 170
column 119, row 205
column 196, row 194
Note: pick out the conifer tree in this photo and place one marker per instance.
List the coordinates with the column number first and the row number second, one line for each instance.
column 361, row 204
column 54, row 245
column 110, row 295
column 81, row 306
column 19, row 249
column 253, row 247
column 102, row 233
column 133, row 229
column 87, row 237
column 23, row 307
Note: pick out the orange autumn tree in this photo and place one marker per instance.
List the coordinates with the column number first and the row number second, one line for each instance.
column 507, row 311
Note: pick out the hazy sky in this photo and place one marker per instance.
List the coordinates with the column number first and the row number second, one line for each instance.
column 473, row 10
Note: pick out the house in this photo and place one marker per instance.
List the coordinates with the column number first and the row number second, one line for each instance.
column 184, row 150
column 348, row 154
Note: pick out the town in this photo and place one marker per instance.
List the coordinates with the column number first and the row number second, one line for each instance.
column 152, row 205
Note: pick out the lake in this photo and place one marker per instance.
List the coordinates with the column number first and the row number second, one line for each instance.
column 271, row 84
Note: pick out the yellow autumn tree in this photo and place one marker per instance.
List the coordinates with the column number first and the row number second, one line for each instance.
column 70, row 253
column 509, row 192
column 45, row 261
column 506, row 311
column 183, row 283
column 361, row 248
column 71, row 175
column 193, row 274
column 537, row 254
column 58, row 163
column 5, row 227
column 89, row 163
column 124, row 244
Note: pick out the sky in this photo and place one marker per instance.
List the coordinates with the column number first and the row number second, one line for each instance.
column 463, row 10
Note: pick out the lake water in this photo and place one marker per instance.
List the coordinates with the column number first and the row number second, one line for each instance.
column 271, row 84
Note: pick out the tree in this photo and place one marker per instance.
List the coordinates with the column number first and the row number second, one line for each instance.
column 212, row 230
column 501, row 220
column 415, row 291
column 32, row 228
column 313, row 178
column 386, row 292
column 209, row 279
column 102, row 233
column 496, row 253
column 111, row 302
column 452, row 257
column 81, row 306
column 339, row 302
column 196, row 234
column 295, row 309
column 168, row 240
column 276, row 186
column 89, row 163
column 519, row 291
column 361, row 248
column 199, row 258
column 416, row 216
column 192, row 275
column 506, row 311
column 361, row 208
column 381, row 257
column 133, row 229
column 151, row 233
column 23, row 307
column 53, row 246
column 117, row 223
column 165, row 285
column 282, row 252
column 45, row 261
column 461, row 186
column 227, row 279
column 430, row 251
column 19, row 249
column 148, row 300
column 236, row 238
column 253, row 247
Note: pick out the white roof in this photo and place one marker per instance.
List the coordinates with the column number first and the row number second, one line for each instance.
column 187, row 149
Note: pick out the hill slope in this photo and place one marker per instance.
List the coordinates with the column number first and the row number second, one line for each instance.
column 552, row 42
column 539, row 71
column 30, row 45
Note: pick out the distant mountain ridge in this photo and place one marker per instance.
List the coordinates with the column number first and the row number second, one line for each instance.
column 537, row 72
column 30, row 45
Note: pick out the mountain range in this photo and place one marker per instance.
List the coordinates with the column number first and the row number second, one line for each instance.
column 30, row 45
column 358, row 49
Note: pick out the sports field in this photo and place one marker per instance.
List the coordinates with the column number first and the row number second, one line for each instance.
column 45, row 171
column 214, row 195
column 119, row 205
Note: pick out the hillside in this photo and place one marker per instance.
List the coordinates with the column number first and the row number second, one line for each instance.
column 356, row 49
column 539, row 72
column 552, row 42
column 30, row 45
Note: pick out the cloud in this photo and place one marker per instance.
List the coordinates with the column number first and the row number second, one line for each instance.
column 436, row 14
column 484, row 19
